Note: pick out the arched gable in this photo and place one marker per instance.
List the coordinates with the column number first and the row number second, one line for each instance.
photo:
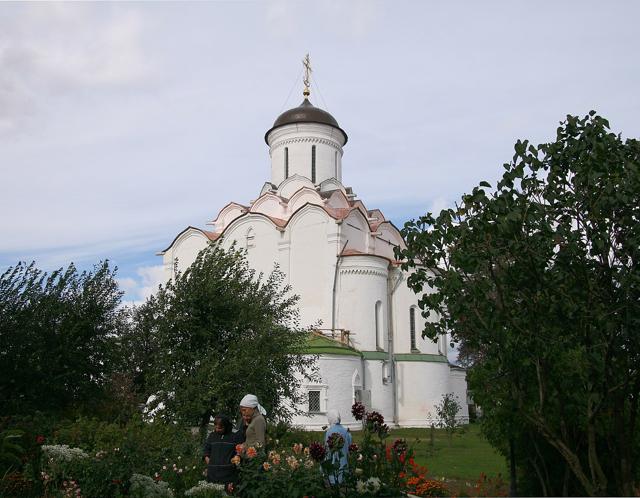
column 269, row 204
column 376, row 213
column 360, row 205
column 292, row 184
column 187, row 233
column 331, row 184
column 258, row 235
column 227, row 214
column 355, row 229
column 304, row 196
column 389, row 232
column 246, row 219
column 267, row 187
column 358, row 219
column 298, row 216
column 338, row 200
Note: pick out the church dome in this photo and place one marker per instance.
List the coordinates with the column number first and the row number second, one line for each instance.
column 305, row 113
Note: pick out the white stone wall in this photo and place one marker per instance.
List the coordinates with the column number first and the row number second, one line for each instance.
column 420, row 387
column 257, row 235
column 299, row 138
column 381, row 392
column 458, row 386
column 403, row 299
column 336, row 378
column 362, row 283
column 311, row 261
column 184, row 252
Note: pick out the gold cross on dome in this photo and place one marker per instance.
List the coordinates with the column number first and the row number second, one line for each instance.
column 306, row 62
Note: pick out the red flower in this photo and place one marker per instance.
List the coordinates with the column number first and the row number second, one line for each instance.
column 40, row 439
column 358, row 410
column 317, row 451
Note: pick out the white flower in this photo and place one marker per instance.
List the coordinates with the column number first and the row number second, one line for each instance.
column 371, row 485
column 62, row 453
column 203, row 488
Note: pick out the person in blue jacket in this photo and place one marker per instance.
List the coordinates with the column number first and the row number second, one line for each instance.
column 338, row 455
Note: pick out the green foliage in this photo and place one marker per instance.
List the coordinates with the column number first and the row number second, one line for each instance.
column 281, row 472
column 222, row 331
column 57, row 337
column 538, row 280
column 11, row 450
column 447, row 415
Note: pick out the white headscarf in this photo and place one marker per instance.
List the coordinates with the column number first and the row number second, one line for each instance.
column 333, row 417
column 251, row 401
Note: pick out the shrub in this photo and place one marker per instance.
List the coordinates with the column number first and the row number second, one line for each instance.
column 206, row 489
column 145, row 487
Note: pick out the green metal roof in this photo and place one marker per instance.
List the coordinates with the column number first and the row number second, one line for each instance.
column 318, row 344
column 434, row 358
column 381, row 355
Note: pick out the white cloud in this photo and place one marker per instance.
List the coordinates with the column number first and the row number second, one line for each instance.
column 144, row 283
column 52, row 49
column 150, row 278
column 123, row 123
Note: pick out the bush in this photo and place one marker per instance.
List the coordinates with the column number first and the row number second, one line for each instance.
column 145, row 487
column 375, row 468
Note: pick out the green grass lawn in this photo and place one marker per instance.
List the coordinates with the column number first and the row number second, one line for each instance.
column 461, row 464
column 468, row 456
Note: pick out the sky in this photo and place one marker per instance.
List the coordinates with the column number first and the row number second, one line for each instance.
column 123, row 123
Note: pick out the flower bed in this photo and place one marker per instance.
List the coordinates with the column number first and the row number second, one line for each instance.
column 152, row 460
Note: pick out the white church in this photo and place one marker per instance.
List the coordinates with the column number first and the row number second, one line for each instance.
column 338, row 256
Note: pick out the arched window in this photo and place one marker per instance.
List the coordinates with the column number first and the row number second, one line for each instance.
column 412, row 327
column 286, row 163
column 379, row 326
column 250, row 238
column 313, row 163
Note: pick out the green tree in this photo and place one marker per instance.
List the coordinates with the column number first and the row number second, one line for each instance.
column 446, row 416
column 539, row 281
column 222, row 331
column 58, row 338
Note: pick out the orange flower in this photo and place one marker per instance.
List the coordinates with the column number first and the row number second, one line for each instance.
column 239, row 448
column 235, row 460
column 251, row 452
column 266, row 466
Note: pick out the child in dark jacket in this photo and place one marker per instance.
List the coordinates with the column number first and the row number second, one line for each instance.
column 219, row 449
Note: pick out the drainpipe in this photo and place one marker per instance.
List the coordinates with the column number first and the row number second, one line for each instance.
column 391, row 289
column 335, row 282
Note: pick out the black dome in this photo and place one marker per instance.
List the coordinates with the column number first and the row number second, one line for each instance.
column 305, row 113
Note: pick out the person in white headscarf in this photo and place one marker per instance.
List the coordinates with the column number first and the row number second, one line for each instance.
column 253, row 422
column 338, row 454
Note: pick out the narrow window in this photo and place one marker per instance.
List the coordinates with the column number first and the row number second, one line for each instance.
column 313, row 163
column 412, row 327
column 378, row 311
column 335, row 163
column 286, row 163
column 314, row 401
